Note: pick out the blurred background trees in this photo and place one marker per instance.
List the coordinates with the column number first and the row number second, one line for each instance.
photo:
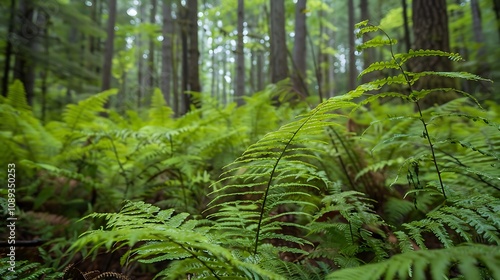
column 66, row 50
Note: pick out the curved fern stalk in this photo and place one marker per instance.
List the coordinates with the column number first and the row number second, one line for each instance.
column 426, row 133
column 261, row 215
column 409, row 78
column 279, row 164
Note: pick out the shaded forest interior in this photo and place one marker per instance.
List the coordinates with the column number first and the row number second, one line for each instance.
column 263, row 139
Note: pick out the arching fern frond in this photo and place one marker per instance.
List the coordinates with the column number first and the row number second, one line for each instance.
column 472, row 261
column 156, row 235
column 276, row 166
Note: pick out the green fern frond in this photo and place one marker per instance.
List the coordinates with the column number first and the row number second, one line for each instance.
column 159, row 113
column 376, row 42
column 75, row 116
column 25, row 270
column 16, row 97
column 162, row 236
column 378, row 66
column 472, row 261
column 404, row 57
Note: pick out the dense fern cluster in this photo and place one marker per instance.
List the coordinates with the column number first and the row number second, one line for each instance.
column 343, row 191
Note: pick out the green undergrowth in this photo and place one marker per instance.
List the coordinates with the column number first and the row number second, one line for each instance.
column 366, row 185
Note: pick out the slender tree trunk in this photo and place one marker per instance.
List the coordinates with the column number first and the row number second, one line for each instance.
column 223, row 79
column 45, row 72
column 108, row 54
column 496, row 9
column 166, row 57
column 240, row 56
column 8, row 49
column 430, row 29
column 299, row 48
column 24, row 67
column 406, row 25
column 321, row 59
column 194, row 53
column 151, row 56
column 477, row 27
column 260, row 72
column 352, row 48
column 279, row 65
column 186, row 98
column 215, row 69
column 176, row 40
column 368, row 54
column 140, row 59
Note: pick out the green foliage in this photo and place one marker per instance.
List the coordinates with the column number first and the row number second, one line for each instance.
column 341, row 191
column 24, row 270
column 473, row 261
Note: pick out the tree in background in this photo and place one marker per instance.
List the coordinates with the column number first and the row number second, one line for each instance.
column 240, row 56
column 109, row 49
column 166, row 52
column 278, row 56
column 299, row 48
column 27, row 31
column 352, row 46
column 430, row 30
column 8, row 48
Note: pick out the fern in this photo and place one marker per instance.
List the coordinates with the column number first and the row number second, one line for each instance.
column 25, row 270
column 163, row 236
column 468, row 260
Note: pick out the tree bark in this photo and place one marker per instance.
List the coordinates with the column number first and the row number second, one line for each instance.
column 279, row 65
column 406, row 25
column 240, row 56
column 193, row 52
column 24, row 66
column 166, row 57
column 8, row 49
column 430, row 29
column 477, row 27
column 151, row 73
column 496, row 9
column 185, row 98
column 299, row 48
column 140, row 59
column 368, row 54
column 352, row 48
column 108, row 54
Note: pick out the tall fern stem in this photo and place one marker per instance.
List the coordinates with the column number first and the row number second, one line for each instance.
column 271, row 176
column 426, row 131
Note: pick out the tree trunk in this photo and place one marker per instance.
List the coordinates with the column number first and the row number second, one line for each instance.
column 151, row 73
column 406, row 25
column 24, row 67
column 140, row 59
column 430, row 29
column 240, row 56
column 186, row 98
column 260, row 71
column 496, row 9
column 45, row 72
column 108, row 54
column 8, row 49
column 352, row 47
column 166, row 51
column 477, row 28
column 368, row 54
column 194, row 53
column 279, row 65
column 299, row 48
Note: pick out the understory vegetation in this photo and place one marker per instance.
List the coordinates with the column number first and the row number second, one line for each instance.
column 365, row 185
